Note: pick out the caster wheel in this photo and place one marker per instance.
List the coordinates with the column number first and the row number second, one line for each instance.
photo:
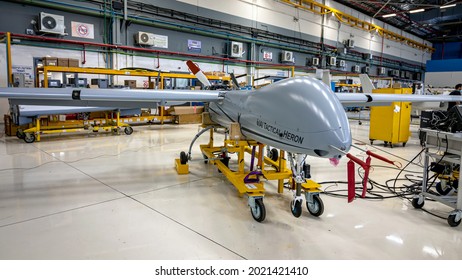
column 183, row 158
column 206, row 159
column 115, row 130
column 29, row 138
column 20, row 134
column 452, row 220
column 296, row 208
column 372, row 141
column 416, row 203
column 404, row 144
column 442, row 190
column 385, row 144
column 316, row 208
column 273, row 154
column 128, row 130
column 258, row 212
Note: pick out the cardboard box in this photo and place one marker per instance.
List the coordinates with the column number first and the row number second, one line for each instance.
column 50, row 61
column 130, row 83
column 235, row 132
column 10, row 128
column 206, row 120
column 396, row 85
column 189, row 118
column 97, row 115
column 63, row 62
column 73, row 62
column 183, row 110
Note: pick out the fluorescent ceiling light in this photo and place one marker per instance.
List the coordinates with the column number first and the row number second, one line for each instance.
column 416, row 11
column 389, row 15
column 448, row 6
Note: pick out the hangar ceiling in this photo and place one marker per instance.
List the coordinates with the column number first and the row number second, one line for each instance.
column 432, row 20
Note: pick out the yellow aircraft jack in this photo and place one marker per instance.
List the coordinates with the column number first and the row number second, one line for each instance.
column 108, row 124
column 250, row 181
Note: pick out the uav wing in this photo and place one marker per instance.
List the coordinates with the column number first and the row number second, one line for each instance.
column 374, row 99
column 118, row 98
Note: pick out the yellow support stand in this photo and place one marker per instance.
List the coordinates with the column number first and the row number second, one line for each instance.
column 181, row 168
column 249, row 181
column 107, row 124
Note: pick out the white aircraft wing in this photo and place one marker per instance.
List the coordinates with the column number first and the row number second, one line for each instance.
column 376, row 99
column 119, row 98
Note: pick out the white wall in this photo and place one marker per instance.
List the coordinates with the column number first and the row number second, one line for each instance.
column 442, row 79
column 282, row 15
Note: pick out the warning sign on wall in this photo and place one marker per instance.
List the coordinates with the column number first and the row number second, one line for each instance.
column 83, row 30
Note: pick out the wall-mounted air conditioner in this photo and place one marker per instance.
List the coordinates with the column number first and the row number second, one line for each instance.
column 287, row 56
column 393, row 73
column 355, row 69
column 236, row 49
column 144, row 38
column 341, row 63
column 315, row 61
column 332, row 60
column 367, row 56
column 381, row 71
column 365, row 70
column 49, row 23
column 350, row 43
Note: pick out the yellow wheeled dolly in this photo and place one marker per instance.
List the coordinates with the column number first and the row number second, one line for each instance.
column 108, row 124
column 449, row 180
column 248, row 180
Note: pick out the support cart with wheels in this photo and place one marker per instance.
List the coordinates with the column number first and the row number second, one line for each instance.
column 445, row 148
column 249, row 180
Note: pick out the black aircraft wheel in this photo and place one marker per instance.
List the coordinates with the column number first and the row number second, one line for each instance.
column 273, row 154
column 183, row 158
column 440, row 190
column 128, row 130
column 296, row 208
column 455, row 184
column 20, row 134
column 316, row 208
column 29, row 138
column 452, row 220
column 259, row 211
column 416, row 203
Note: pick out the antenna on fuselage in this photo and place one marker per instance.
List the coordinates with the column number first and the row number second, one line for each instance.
column 198, row 73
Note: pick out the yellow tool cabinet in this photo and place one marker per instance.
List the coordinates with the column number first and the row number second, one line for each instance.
column 391, row 123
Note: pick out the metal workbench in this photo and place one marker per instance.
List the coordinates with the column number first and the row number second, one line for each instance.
column 444, row 147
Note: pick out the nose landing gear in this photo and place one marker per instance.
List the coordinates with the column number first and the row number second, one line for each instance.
column 301, row 182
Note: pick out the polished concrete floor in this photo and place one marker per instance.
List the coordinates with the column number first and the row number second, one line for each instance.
column 101, row 196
